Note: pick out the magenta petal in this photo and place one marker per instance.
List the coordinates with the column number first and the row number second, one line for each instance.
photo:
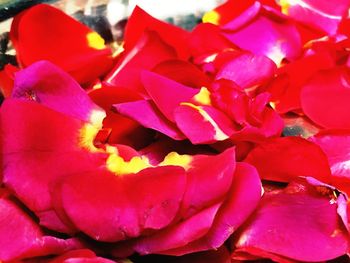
column 264, row 33
column 180, row 234
column 300, row 222
column 147, row 114
column 241, row 201
column 49, row 85
column 328, row 88
column 110, row 207
column 209, row 179
column 160, row 88
column 257, row 69
column 203, row 124
column 20, row 237
column 40, row 146
column 79, row 256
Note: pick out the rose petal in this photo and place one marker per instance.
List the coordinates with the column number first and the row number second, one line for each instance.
column 35, row 40
column 241, row 201
column 21, row 237
column 139, row 21
column 159, row 88
column 145, row 54
column 274, row 36
column 146, row 113
column 284, row 159
column 203, row 124
column 110, row 207
column 49, row 85
column 329, row 87
column 314, row 211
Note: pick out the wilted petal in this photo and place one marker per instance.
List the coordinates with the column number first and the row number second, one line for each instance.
column 284, row 159
column 300, row 223
column 78, row 50
column 329, row 87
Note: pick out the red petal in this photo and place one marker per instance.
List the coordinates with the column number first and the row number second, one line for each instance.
column 145, row 55
column 329, row 87
column 79, row 51
column 284, row 159
column 139, row 21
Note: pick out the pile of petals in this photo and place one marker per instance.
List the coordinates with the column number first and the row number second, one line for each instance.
column 227, row 143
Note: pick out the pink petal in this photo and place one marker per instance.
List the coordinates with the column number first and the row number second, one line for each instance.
column 329, row 87
column 49, row 85
column 257, row 70
column 179, row 234
column 320, row 14
column 40, row 146
column 147, row 114
column 21, row 237
column 159, row 88
column 203, row 124
column 264, row 32
column 241, row 201
column 110, row 207
column 314, row 210
column 209, row 179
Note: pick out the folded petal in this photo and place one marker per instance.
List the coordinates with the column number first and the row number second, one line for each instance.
column 79, row 51
column 284, row 159
column 285, row 216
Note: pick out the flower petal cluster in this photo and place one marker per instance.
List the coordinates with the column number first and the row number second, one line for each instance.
column 225, row 143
